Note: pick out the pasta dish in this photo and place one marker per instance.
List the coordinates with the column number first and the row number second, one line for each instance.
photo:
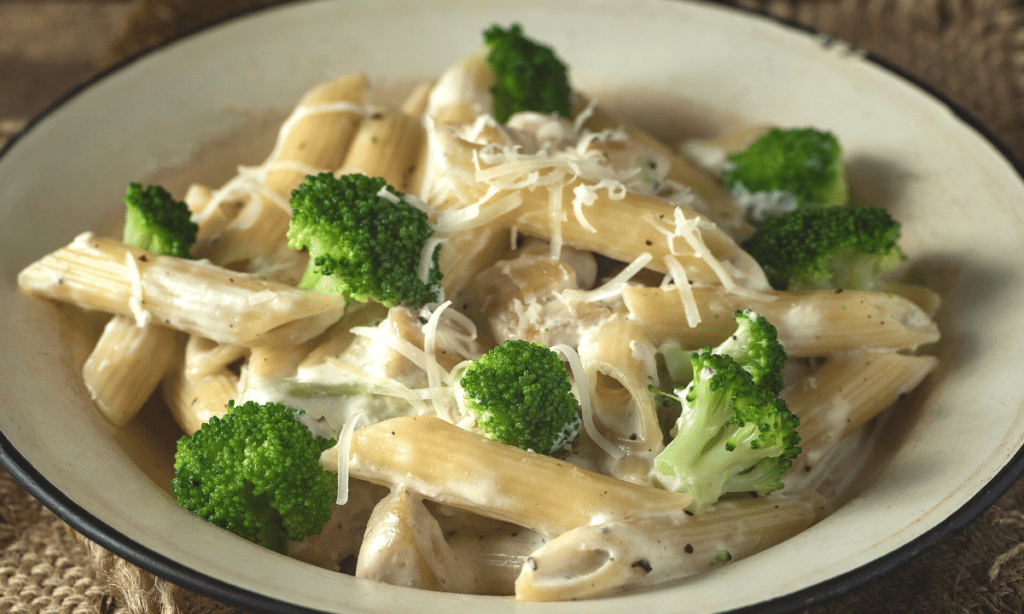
column 630, row 259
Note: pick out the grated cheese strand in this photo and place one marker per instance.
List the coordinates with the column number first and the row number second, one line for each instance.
column 555, row 217
column 682, row 283
column 304, row 111
column 471, row 217
column 344, row 446
column 613, row 287
column 579, row 375
column 436, row 375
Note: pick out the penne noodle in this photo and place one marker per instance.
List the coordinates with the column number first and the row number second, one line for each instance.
column 810, row 323
column 211, row 219
column 845, row 392
column 468, row 471
column 197, row 197
column 661, row 229
column 521, row 299
column 339, row 337
column 448, row 351
column 415, row 102
column 311, row 140
column 126, row 365
column 495, row 550
column 387, row 144
column 192, row 296
column 924, row 297
column 462, row 92
column 619, row 360
column 193, row 400
column 464, row 255
column 621, row 555
column 204, row 357
column 278, row 361
column 710, row 190
column 319, row 140
column 403, row 545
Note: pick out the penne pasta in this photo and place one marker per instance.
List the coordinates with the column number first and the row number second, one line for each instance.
column 195, row 297
column 204, row 357
column 464, row 255
column 415, row 102
column 403, row 545
column 279, row 361
column 661, row 229
column 618, row 358
column 613, row 557
column 468, row 471
column 521, row 299
column 194, row 398
column 495, row 550
column 924, row 297
column 720, row 203
column 456, row 344
column 315, row 138
column 387, row 144
column 845, row 392
column 462, row 92
column 210, row 215
column 809, row 323
column 126, row 366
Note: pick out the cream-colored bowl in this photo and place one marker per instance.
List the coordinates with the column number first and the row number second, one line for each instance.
column 676, row 67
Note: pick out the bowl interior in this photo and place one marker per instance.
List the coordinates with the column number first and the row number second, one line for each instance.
column 681, row 69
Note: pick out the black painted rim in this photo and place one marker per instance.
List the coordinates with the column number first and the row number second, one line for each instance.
column 96, row 530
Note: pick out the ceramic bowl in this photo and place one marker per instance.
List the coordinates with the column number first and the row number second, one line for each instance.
column 678, row 68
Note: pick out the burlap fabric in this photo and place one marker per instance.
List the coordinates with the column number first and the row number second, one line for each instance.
column 971, row 50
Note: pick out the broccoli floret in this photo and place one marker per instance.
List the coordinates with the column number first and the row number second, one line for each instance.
column 755, row 346
column 827, row 248
column 528, row 75
column 256, row 473
column 787, row 169
column 732, row 435
column 520, row 394
column 365, row 240
column 677, row 361
column 157, row 223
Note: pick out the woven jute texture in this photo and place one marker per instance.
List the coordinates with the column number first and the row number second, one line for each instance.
column 970, row 50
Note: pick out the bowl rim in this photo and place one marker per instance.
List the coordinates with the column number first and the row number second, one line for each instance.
column 112, row 540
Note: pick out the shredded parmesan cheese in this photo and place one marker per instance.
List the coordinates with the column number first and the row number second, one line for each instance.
column 555, row 215
column 344, row 448
column 682, row 283
column 388, row 195
column 435, row 373
column 613, row 287
column 579, row 375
